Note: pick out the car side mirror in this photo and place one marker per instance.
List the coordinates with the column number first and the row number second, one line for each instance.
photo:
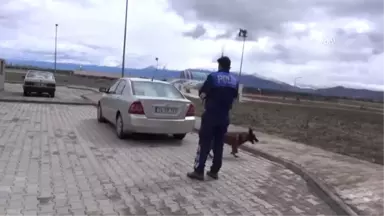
column 23, row 76
column 103, row 89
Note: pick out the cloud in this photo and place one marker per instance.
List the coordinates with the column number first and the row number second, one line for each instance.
column 324, row 42
column 197, row 32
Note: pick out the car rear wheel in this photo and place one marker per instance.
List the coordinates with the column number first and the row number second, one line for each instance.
column 26, row 93
column 179, row 136
column 119, row 127
column 52, row 94
column 100, row 117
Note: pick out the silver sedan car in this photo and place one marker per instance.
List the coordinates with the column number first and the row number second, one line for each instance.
column 39, row 82
column 137, row 105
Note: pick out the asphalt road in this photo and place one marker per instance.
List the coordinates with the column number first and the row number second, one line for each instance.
column 57, row 159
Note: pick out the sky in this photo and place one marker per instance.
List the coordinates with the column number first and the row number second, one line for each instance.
column 324, row 42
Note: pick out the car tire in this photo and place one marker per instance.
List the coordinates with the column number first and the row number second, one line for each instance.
column 119, row 125
column 26, row 93
column 100, row 117
column 52, row 94
column 179, row 136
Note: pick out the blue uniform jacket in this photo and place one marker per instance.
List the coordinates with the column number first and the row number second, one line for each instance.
column 221, row 89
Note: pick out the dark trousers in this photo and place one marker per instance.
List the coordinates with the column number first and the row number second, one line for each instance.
column 211, row 137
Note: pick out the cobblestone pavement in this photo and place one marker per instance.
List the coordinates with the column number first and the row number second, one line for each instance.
column 63, row 94
column 56, row 159
column 358, row 183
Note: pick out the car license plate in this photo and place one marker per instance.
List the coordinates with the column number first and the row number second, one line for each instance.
column 165, row 110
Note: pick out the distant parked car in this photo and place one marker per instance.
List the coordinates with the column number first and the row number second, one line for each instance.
column 39, row 82
column 136, row 105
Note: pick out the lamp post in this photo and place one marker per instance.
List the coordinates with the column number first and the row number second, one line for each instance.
column 56, row 27
column 295, row 81
column 125, row 38
column 222, row 50
column 295, row 85
column 243, row 33
column 157, row 66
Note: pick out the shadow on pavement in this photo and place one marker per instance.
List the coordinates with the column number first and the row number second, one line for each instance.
column 101, row 134
column 43, row 95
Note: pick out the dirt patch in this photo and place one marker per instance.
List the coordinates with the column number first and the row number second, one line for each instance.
column 349, row 132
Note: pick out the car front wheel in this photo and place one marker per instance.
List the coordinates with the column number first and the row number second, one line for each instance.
column 26, row 93
column 179, row 136
column 119, row 127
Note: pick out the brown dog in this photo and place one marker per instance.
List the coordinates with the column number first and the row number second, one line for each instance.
column 236, row 139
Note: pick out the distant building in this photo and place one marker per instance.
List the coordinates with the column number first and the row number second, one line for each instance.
column 193, row 75
column 193, row 78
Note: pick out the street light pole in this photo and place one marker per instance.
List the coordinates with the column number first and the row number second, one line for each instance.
column 157, row 66
column 243, row 34
column 56, row 26
column 125, row 38
column 295, row 81
column 222, row 50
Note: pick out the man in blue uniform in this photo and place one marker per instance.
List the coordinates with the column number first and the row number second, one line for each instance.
column 218, row 92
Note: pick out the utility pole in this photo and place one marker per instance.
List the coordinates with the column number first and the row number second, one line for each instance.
column 56, row 27
column 125, row 38
column 243, row 33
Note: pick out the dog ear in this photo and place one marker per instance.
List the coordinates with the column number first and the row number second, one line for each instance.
column 250, row 131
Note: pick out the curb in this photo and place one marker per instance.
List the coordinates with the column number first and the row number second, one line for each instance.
column 82, row 88
column 325, row 192
column 8, row 100
column 90, row 101
column 321, row 189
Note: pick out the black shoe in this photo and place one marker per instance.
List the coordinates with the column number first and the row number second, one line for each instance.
column 195, row 175
column 213, row 175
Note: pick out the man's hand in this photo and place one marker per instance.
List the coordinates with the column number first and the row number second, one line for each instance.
column 202, row 96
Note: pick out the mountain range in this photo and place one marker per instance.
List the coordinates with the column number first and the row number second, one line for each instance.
column 252, row 81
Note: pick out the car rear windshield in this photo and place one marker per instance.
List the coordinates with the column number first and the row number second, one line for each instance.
column 154, row 89
column 46, row 75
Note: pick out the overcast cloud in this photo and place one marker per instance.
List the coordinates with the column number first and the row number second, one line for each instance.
column 325, row 42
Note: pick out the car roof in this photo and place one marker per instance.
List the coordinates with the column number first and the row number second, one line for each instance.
column 144, row 79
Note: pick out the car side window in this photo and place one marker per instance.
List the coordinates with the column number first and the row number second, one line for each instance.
column 120, row 87
column 128, row 88
column 112, row 89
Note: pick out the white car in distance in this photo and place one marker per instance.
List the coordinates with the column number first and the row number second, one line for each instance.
column 137, row 105
column 39, row 82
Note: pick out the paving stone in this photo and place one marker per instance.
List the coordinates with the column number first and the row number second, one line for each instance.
column 95, row 173
column 359, row 183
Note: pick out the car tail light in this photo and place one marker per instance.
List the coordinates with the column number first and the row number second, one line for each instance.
column 136, row 108
column 191, row 110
